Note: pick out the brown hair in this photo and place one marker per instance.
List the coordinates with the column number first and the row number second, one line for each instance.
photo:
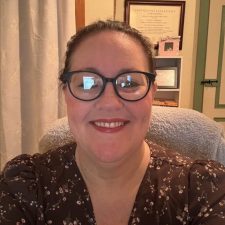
column 98, row 27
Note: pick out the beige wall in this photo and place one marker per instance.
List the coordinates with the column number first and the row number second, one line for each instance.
column 98, row 9
column 101, row 9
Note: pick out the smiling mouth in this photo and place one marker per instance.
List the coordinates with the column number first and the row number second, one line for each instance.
column 109, row 124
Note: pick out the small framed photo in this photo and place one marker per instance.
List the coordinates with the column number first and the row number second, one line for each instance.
column 166, row 77
column 169, row 46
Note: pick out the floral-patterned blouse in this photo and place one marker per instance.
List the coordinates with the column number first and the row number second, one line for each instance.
column 48, row 189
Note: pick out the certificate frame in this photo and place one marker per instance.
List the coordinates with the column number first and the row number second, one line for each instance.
column 166, row 78
column 152, row 17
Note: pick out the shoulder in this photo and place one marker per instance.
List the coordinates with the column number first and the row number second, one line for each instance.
column 206, row 191
column 18, row 190
column 168, row 157
column 21, row 183
column 200, row 183
column 172, row 158
column 56, row 158
column 27, row 165
column 195, row 169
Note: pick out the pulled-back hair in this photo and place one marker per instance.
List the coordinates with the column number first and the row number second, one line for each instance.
column 101, row 26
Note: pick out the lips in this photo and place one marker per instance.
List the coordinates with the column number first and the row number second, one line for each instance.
column 109, row 124
column 112, row 125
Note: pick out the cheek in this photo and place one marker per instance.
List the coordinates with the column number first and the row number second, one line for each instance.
column 76, row 110
column 145, row 109
column 73, row 105
column 142, row 111
column 70, row 104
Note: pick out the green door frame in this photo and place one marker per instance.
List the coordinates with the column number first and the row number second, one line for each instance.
column 201, row 54
column 201, row 57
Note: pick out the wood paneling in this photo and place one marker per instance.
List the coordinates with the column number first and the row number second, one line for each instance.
column 80, row 14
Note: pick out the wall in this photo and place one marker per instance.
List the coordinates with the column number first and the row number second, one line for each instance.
column 98, row 9
column 101, row 9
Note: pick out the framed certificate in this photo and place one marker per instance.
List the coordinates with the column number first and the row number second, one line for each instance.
column 156, row 19
column 166, row 77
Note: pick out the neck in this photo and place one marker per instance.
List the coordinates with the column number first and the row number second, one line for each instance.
column 117, row 174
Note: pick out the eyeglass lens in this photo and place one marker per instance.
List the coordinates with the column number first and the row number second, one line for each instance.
column 88, row 85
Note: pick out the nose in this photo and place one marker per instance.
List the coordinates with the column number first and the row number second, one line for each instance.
column 109, row 99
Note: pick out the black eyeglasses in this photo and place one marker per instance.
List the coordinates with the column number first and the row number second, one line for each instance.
column 88, row 85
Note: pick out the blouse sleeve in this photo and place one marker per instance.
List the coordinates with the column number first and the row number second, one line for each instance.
column 207, row 193
column 19, row 198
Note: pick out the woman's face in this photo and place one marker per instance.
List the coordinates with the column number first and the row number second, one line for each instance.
column 109, row 129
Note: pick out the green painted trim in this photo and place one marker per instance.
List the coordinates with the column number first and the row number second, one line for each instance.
column 220, row 60
column 218, row 119
column 201, row 54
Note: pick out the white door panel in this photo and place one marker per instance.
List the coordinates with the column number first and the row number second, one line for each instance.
column 214, row 97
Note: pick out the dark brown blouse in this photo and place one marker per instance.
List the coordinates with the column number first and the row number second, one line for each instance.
column 48, row 189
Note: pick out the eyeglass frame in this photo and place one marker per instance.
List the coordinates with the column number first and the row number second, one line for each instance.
column 67, row 78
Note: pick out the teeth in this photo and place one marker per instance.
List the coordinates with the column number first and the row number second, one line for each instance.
column 109, row 125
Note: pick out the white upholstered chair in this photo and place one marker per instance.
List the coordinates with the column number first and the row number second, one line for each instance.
column 184, row 130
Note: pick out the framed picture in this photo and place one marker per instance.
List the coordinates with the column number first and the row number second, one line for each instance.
column 156, row 19
column 169, row 46
column 166, row 77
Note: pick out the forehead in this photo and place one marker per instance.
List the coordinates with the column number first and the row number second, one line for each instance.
column 105, row 34
column 110, row 38
column 108, row 46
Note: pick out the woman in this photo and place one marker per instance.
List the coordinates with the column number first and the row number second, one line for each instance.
column 111, row 176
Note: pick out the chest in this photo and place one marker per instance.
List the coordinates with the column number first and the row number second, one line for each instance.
column 77, row 207
column 113, row 209
column 66, row 200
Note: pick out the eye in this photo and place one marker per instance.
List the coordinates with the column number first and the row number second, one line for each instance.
column 129, row 84
column 88, row 83
column 85, row 82
column 131, row 81
column 85, row 85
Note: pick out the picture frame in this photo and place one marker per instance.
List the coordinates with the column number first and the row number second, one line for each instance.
column 166, row 78
column 156, row 19
column 169, row 46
